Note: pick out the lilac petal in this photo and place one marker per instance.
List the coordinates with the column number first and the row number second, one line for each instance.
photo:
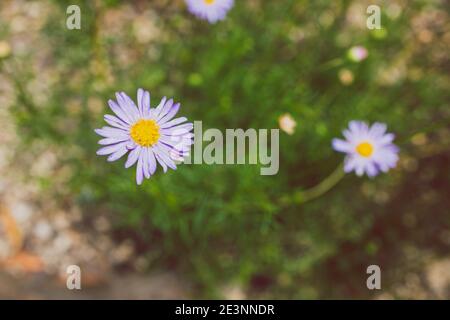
column 383, row 166
column 146, row 165
column 146, row 104
column 127, row 105
column 140, row 95
column 110, row 149
column 172, row 112
column 131, row 145
column 176, row 156
column 139, row 171
column 118, row 111
column 151, row 161
column 176, row 142
column 124, row 107
column 178, row 130
column 167, row 140
column 132, row 157
column 349, row 135
column 359, row 170
column 189, row 135
column 132, row 108
column 168, row 148
column 371, row 169
column 163, row 165
column 175, row 148
column 158, row 109
column 341, row 145
column 349, row 164
column 187, row 139
column 183, row 148
column 392, row 148
column 358, row 127
column 165, row 109
column 387, row 139
column 377, row 129
column 163, row 152
column 386, row 156
column 109, row 132
column 173, row 122
column 118, row 154
column 116, row 122
column 107, row 141
column 186, row 144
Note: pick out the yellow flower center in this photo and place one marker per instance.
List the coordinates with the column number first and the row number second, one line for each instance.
column 209, row 1
column 145, row 132
column 365, row 149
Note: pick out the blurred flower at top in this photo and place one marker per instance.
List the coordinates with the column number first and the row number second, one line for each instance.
column 5, row 49
column 357, row 53
column 287, row 123
column 369, row 149
column 356, row 16
column 211, row 10
column 150, row 135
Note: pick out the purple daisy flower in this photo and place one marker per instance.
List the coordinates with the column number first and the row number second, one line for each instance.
column 148, row 135
column 211, row 10
column 369, row 149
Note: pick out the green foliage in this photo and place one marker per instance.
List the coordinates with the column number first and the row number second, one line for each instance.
column 227, row 224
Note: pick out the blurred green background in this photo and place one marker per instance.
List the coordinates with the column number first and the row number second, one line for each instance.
column 221, row 226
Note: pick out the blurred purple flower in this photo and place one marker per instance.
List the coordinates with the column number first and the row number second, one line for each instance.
column 357, row 53
column 150, row 135
column 211, row 10
column 369, row 149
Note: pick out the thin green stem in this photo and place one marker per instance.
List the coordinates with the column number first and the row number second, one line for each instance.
column 323, row 187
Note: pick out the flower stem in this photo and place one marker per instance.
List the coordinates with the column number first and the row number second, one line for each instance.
column 324, row 186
